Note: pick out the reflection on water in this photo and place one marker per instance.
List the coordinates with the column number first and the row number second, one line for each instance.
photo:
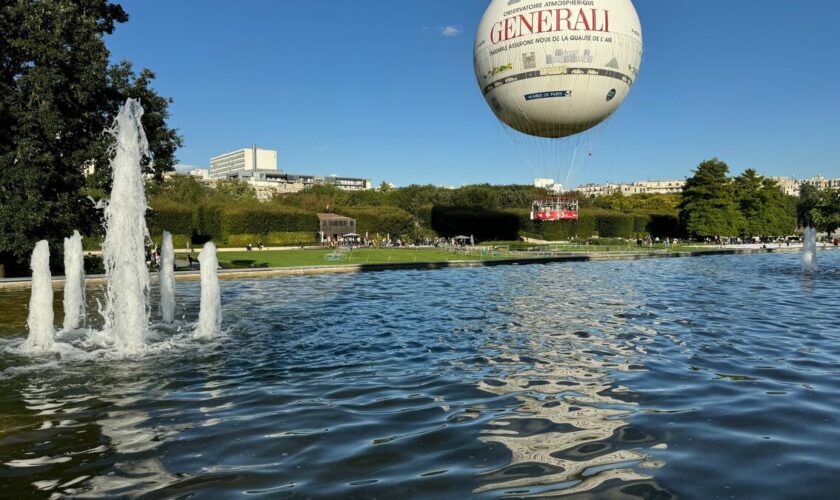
column 570, row 434
column 691, row 378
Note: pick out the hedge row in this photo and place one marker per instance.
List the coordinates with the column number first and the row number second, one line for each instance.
column 469, row 221
column 381, row 220
column 272, row 239
column 510, row 224
column 281, row 225
column 204, row 222
column 177, row 219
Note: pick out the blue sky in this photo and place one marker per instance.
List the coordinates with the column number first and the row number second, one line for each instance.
column 384, row 89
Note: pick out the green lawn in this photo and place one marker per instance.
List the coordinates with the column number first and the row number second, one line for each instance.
column 295, row 258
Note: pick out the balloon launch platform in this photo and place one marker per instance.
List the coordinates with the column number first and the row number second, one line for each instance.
column 554, row 209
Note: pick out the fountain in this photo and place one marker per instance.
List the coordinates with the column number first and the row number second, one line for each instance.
column 809, row 253
column 167, row 279
column 126, row 310
column 210, row 315
column 40, row 321
column 124, row 249
column 74, row 282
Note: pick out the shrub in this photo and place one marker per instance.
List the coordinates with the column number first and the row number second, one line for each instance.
column 481, row 223
column 179, row 241
column 172, row 217
column 265, row 219
column 274, row 239
column 381, row 220
column 92, row 243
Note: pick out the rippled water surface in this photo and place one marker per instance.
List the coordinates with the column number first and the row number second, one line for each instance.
column 711, row 377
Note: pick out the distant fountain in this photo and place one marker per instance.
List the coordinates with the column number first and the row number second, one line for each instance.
column 167, row 279
column 124, row 248
column 74, row 282
column 809, row 253
column 40, row 321
column 210, row 315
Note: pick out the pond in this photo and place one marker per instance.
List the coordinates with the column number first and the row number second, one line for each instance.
column 702, row 377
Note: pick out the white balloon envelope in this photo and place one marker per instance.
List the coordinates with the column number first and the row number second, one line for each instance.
column 555, row 68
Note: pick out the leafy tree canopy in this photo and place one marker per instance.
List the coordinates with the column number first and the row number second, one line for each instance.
column 58, row 94
column 708, row 206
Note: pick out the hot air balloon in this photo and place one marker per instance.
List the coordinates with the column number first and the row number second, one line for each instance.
column 553, row 70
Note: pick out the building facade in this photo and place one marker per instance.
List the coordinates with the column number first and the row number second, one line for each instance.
column 258, row 167
column 241, row 160
column 642, row 187
column 200, row 173
column 335, row 226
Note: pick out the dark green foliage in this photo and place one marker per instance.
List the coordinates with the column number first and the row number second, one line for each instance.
column 381, row 220
column 825, row 216
column 708, row 206
column 57, row 96
column 470, row 221
column 809, row 198
column 661, row 225
column 168, row 216
column 764, row 206
column 263, row 219
column 207, row 223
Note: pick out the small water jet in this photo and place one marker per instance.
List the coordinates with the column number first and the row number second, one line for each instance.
column 74, row 282
column 126, row 234
column 210, row 314
column 809, row 252
column 40, row 321
column 167, row 279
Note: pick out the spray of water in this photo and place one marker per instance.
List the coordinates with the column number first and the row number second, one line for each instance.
column 74, row 282
column 40, row 322
column 809, row 253
column 124, row 249
column 167, row 279
column 210, row 315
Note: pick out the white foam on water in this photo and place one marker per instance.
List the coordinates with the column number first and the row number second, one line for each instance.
column 210, row 314
column 167, row 279
column 74, row 282
column 809, row 252
column 41, row 315
column 126, row 234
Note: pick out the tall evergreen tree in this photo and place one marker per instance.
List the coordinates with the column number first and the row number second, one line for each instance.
column 809, row 198
column 763, row 205
column 708, row 207
column 57, row 96
column 825, row 216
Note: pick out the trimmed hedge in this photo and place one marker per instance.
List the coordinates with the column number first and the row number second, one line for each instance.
column 179, row 241
column 266, row 219
column 381, row 220
column 485, row 225
column 274, row 239
column 177, row 219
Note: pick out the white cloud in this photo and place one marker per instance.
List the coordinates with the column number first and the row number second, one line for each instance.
column 451, row 31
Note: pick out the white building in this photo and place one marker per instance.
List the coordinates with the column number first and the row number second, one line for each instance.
column 201, row 174
column 548, row 184
column 642, row 187
column 242, row 160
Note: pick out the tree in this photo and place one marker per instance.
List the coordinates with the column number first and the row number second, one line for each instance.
column 825, row 216
column 708, row 207
column 234, row 191
column 763, row 205
column 57, row 96
column 180, row 189
column 809, row 198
